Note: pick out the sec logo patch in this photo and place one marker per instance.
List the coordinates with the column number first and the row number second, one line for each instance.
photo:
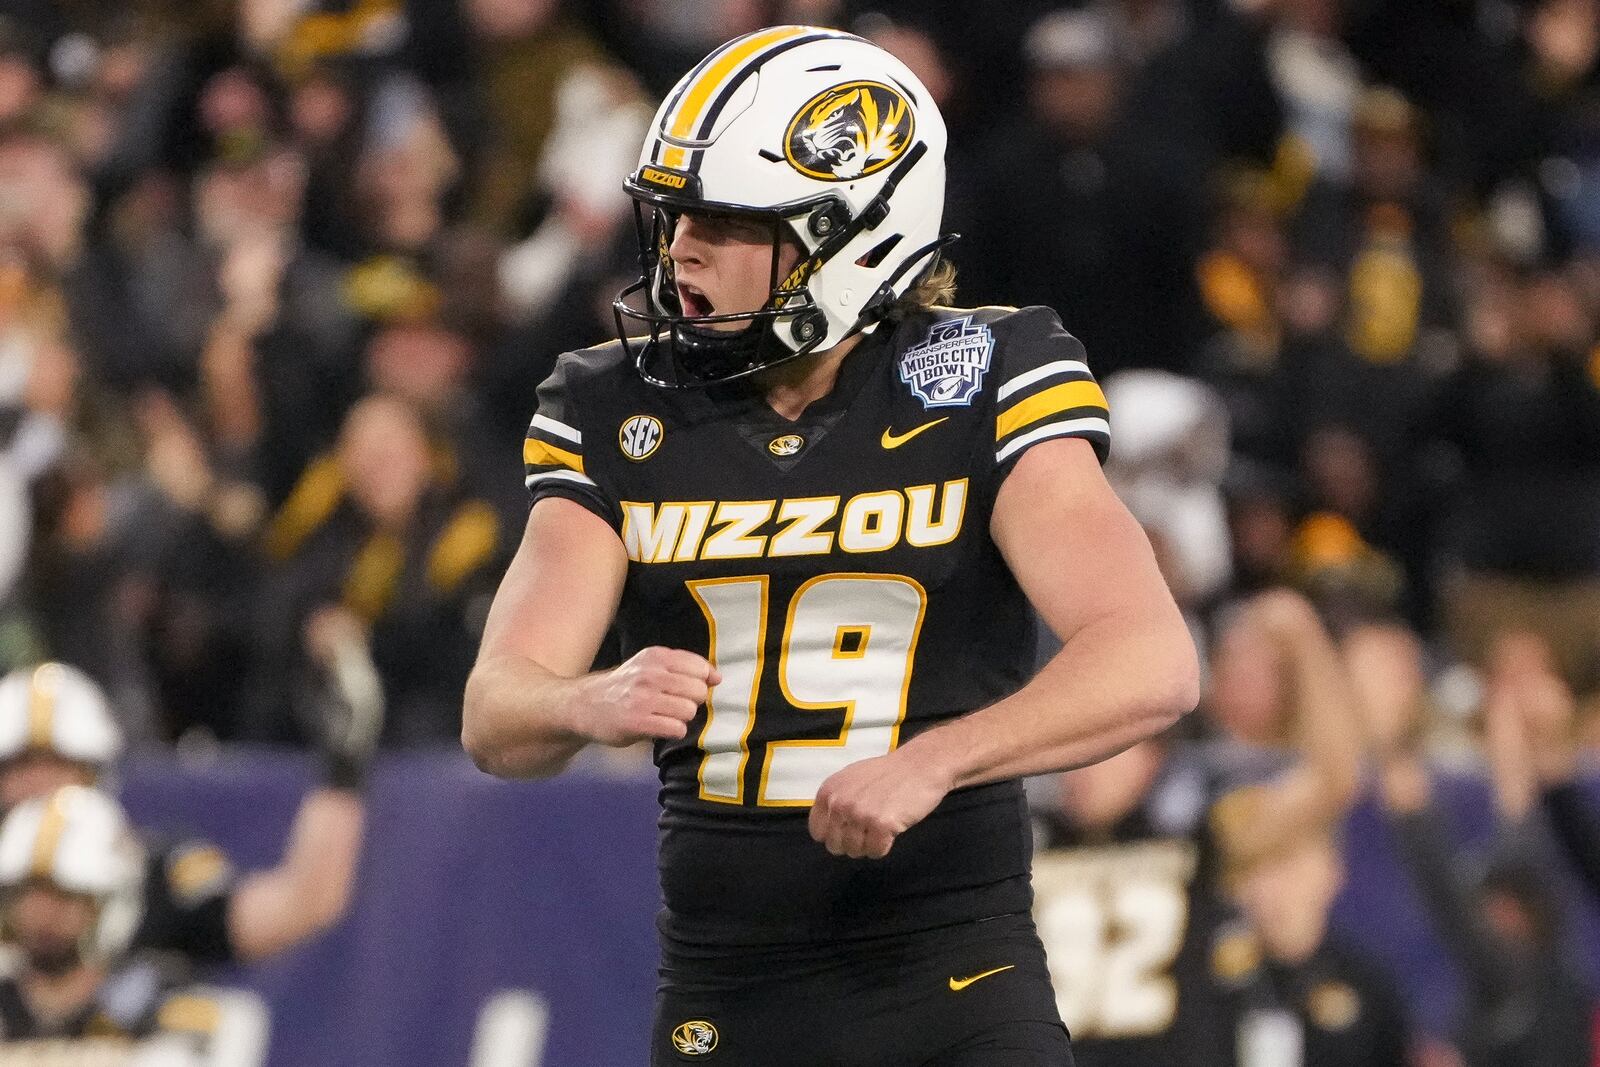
column 695, row 1037
column 640, row 436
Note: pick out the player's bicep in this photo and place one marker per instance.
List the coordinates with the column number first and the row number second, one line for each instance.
column 560, row 593
column 1072, row 545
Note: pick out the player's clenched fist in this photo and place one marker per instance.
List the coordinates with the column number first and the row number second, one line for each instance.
column 652, row 696
column 860, row 810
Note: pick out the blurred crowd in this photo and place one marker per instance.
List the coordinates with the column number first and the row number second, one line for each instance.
column 278, row 279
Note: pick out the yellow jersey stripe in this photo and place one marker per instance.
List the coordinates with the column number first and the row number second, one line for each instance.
column 703, row 90
column 51, row 826
column 539, row 454
column 1063, row 397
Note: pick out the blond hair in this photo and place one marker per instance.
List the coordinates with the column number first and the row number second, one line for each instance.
column 935, row 288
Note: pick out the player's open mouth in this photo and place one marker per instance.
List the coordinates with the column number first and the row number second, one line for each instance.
column 695, row 304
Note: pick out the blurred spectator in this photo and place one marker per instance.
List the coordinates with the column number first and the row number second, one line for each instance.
column 1520, row 420
column 1077, row 211
column 1172, row 454
column 1504, row 931
column 1134, row 847
column 1381, row 228
column 1288, row 992
column 377, row 530
column 599, row 115
column 427, row 365
column 529, row 51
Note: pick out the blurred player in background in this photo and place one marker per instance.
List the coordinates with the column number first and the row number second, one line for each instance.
column 1129, row 887
column 56, row 729
column 817, row 501
column 70, row 897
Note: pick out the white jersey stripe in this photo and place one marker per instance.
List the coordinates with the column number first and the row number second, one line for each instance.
column 560, row 429
column 1054, row 429
column 1049, row 370
column 566, row 476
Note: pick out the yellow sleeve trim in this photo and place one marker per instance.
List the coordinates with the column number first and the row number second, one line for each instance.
column 539, row 454
column 1063, row 397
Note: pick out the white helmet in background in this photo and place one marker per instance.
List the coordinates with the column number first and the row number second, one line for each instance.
column 57, row 708
column 829, row 138
column 79, row 840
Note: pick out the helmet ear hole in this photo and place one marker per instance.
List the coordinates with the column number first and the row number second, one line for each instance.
column 875, row 255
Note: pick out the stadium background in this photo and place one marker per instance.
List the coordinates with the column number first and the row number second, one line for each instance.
column 277, row 280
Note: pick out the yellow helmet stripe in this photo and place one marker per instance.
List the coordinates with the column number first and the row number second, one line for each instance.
column 51, row 826
column 43, row 689
column 539, row 454
column 704, row 89
column 1059, row 398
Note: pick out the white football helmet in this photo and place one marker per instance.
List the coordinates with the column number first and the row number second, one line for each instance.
column 829, row 138
column 57, row 708
column 79, row 840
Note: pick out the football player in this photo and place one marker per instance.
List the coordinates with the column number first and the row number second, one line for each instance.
column 56, row 729
column 817, row 502
column 70, row 872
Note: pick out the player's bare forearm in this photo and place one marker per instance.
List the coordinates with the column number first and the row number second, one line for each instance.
column 514, row 719
column 1114, row 683
column 548, row 618
column 1127, row 668
column 308, row 891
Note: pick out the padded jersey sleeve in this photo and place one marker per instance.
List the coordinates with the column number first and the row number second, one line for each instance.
column 553, row 452
column 1045, row 389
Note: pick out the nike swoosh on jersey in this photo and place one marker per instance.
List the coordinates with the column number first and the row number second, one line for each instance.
column 958, row 984
column 891, row 440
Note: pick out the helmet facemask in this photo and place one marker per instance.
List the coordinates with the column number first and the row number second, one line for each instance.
column 684, row 349
column 696, row 354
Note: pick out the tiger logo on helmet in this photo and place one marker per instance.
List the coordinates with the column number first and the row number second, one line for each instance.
column 849, row 131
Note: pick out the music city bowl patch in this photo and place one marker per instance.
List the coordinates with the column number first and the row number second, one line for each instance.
column 947, row 369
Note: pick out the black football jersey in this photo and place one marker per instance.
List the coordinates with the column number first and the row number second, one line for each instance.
column 839, row 571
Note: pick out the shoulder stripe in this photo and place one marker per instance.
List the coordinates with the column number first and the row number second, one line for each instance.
column 1057, row 398
column 1080, row 427
column 1037, row 374
column 560, row 429
column 558, row 476
column 537, row 453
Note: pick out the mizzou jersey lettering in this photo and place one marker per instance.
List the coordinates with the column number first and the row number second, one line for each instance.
column 839, row 571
